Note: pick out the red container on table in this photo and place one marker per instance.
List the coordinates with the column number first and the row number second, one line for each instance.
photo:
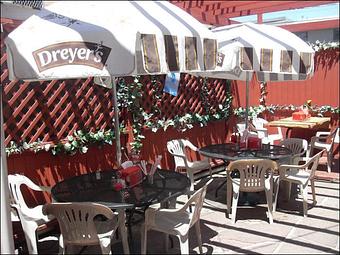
column 300, row 115
column 254, row 143
column 132, row 175
column 243, row 145
column 235, row 138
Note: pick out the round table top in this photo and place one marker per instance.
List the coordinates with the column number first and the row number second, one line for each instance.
column 232, row 151
column 97, row 187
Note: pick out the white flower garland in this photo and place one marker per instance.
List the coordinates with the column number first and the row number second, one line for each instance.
column 319, row 46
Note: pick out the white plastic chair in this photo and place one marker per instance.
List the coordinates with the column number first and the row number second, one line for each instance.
column 176, row 221
column 127, row 164
column 263, row 132
column 324, row 140
column 301, row 175
column 241, row 131
column 254, row 175
column 298, row 147
column 177, row 149
column 241, row 127
column 32, row 219
column 79, row 228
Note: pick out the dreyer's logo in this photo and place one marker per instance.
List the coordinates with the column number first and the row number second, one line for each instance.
column 220, row 59
column 71, row 53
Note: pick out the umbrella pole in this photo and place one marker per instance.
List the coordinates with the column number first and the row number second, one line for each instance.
column 117, row 131
column 7, row 242
column 247, row 99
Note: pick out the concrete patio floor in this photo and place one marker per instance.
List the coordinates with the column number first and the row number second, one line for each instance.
column 290, row 232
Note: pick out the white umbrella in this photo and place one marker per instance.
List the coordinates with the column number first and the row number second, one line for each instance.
column 272, row 53
column 106, row 39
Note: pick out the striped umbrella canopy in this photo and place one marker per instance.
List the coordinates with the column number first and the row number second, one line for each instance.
column 273, row 53
column 103, row 38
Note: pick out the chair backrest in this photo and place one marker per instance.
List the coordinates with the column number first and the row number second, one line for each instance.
column 127, row 164
column 177, row 149
column 16, row 197
column 259, row 122
column 197, row 199
column 296, row 145
column 336, row 138
column 333, row 136
column 312, row 163
column 252, row 172
column 241, row 127
column 76, row 221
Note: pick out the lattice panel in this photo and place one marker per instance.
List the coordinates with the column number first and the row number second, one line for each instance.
column 50, row 111
column 188, row 99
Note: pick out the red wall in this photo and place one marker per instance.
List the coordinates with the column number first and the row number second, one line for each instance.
column 322, row 88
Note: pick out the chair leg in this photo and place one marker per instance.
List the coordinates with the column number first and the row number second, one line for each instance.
column 199, row 237
column 289, row 189
column 276, row 187
column 31, row 240
column 123, row 232
column 269, row 197
column 105, row 246
column 166, row 239
column 61, row 245
column 312, row 184
column 184, row 244
column 32, row 246
column 229, row 196
column 304, row 193
column 192, row 181
column 329, row 161
column 236, row 194
column 144, row 233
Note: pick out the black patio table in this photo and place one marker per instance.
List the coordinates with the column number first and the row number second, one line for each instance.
column 232, row 151
column 97, row 187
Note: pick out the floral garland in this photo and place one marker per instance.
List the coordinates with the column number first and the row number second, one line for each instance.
column 154, row 120
column 254, row 111
column 78, row 142
column 319, row 46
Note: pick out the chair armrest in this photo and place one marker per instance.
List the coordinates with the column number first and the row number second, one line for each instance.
column 46, row 188
column 298, row 154
column 191, row 146
column 178, row 155
column 284, row 167
column 150, row 212
column 322, row 133
column 261, row 129
column 314, row 139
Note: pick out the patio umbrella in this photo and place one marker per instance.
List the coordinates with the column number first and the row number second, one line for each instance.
column 272, row 53
column 75, row 39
